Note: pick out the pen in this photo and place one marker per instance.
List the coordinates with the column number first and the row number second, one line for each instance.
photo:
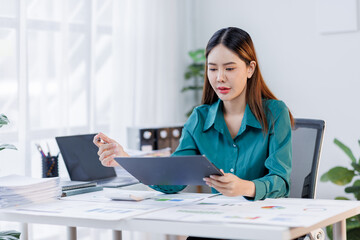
column 49, row 154
column 40, row 150
column 100, row 140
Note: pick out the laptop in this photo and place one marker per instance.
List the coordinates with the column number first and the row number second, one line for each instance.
column 82, row 162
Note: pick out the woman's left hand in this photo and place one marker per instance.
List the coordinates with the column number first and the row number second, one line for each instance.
column 230, row 185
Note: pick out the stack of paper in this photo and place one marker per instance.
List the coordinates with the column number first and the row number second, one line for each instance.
column 17, row 190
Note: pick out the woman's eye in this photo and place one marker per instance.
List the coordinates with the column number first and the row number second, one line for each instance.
column 212, row 69
column 229, row 69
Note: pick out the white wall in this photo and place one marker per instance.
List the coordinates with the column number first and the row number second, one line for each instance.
column 316, row 74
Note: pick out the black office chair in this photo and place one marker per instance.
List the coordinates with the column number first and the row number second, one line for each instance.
column 307, row 137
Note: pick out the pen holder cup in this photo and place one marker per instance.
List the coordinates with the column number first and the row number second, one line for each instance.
column 50, row 166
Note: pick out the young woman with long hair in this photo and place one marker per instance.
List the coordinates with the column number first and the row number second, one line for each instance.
column 241, row 127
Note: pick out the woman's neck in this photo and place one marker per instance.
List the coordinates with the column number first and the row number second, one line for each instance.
column 236, row 106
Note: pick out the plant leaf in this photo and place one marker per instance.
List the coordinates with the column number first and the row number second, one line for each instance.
column 356, row 166
column 9, row 235
column 7, row 146
column 188, row 75
column 325, row 177
column 184, row 89
column 356, row 185
column 341, row 198
column 340, row 175
column 3, row 120
column 352, row 222
column 346, row 149
column 352, row 189
column 353, row 234
column 196, row 69
column 329, row 231
column 198, row 55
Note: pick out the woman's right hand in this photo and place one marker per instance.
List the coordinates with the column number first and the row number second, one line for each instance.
column 108, row 150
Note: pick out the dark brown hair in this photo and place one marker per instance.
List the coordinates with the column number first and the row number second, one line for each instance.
column 239, row 41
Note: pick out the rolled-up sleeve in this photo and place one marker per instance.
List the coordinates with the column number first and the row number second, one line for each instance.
column 277, row 182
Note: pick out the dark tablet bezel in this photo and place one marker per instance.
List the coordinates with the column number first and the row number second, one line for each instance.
column 173, row 170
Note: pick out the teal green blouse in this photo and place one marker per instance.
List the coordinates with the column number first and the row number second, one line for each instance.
column 263, row 158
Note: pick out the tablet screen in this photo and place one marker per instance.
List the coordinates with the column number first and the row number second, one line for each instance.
column 174, row 170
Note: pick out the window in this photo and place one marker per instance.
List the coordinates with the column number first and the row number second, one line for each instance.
column 56, row 70
column 55, row 77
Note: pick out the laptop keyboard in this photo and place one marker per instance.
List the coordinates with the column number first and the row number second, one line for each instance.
column 118, row 181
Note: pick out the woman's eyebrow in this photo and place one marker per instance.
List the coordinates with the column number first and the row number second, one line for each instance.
column 228, row 63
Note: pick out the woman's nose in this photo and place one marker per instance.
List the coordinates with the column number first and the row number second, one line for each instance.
column 220, row 76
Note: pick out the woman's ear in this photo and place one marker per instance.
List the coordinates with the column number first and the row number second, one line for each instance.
column 251, row 68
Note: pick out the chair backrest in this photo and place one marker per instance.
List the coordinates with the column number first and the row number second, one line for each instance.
column 307, row 137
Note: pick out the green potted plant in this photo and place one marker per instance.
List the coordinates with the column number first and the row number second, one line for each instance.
column 7, row 235
column 348, row 177
column 195, row 71
column 3, row 121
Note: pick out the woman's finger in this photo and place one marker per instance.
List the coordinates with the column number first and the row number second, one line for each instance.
column 222, row 190
column 108, row 146
column 109, row 161
column 105, row 138
column 96, row 140
column 217, row 183
column 105, row 147
column 106, row 154
column 225, row 179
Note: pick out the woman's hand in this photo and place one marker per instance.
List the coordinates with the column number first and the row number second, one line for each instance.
column 230, row 185
column 108, row 149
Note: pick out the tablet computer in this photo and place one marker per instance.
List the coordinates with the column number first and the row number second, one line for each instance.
column 174, row 170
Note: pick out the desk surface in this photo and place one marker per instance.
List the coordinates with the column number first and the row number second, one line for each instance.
column 205, row 229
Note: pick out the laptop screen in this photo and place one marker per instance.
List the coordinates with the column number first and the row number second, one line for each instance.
column 81, row 159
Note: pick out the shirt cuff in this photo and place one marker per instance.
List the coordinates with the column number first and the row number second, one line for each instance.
column 260, row 190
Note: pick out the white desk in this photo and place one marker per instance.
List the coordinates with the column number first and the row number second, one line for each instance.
column 223, row 230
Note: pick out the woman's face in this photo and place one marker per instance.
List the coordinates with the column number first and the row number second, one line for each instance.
column 228, row 74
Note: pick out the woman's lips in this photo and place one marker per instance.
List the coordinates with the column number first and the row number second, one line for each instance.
column 223, row 90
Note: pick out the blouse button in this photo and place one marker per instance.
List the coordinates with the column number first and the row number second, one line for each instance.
column 234, row 145
column 232, row 170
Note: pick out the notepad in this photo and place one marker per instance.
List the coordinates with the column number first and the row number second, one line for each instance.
column 70, row 185
column 82, row 190
column 130, row 195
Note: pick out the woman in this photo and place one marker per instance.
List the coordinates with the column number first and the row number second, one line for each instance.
column 241, row 127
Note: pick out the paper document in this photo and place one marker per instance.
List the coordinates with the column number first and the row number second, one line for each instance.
column 280, row 212
column 131, row 195
column 107, row 210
